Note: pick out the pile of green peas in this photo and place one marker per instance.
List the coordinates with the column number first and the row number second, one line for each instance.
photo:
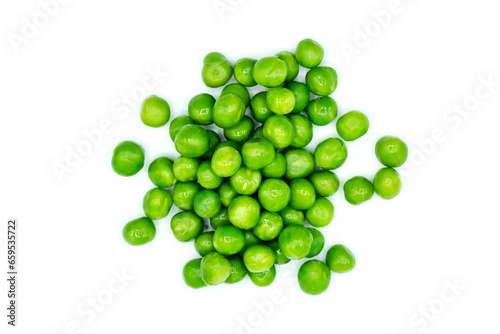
column 260, row 186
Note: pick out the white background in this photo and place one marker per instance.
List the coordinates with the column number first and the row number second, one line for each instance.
column 73, row 73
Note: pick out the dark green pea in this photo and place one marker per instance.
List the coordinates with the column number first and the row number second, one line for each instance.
column 192, row 141
column 325, row 183
column 155, row 111
column 244, row 212
column 291, row 64
column 228, row 239
column 270, row 71
column 258, row 107
column 250, row 239
column 206, row 203
column 340, row 259
column 229, row 143
column 314, row 277
column 157, row 203
column 257, row 153
column 204, row 243
column 292, row 216
column 221, row 218
column 280, row 257
column 229, row 109
column 200, row 108
column 239, row 90
column 186, row 226
column 387, row 183
column 139, row 231
column 280, row 100
column 192, row 274
column 226, row 193
column 185, row 168
column 241, row 131
column 321, row 80
column 352, row 125
column 279, row 130
column 213, row 142
column 264, row 278
column 269, row 226
column 161, row 172
column 177, row 123
column 330, row 153
column 303, row 194
column 301, row 93
column 257, row 133
column 226, row 161
column 128, row 158
column 321, row 213
column 391, row 151
column 322, row 111
column 245, row 181
column 299, row 163
column 274, row 195
column 295, row 241
column 303, row 130
column 317, row 244
column 216, row 70
column 215, row 268
column 243, row 71
column 309, row 53
column 358, row 190
column 183, row 194
column 259, row 258
column 238, row 270
column 206, row 176
column 275, row 169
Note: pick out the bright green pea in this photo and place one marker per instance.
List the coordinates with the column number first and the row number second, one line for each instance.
column 314, row 277
column 245, row 181
column 269, row 226
column 258, row 107
column 280, row 100
column 183, row 194
column 264, row 278
column 325, row 183
column 161, row 172
column 321, row 213
column 280, row 257
column 204, row 243
column 270, row 71
column 340, row 259
column 279, row 130
column 275, row 169
column 228, row 239
column 299, row 163
column 295, row 241
column 213, row 142
column 200, row 108
column 139, row 231
column 303, row 130
column 239, row 90
column 157, row 203
column 322, row 111
column 215, row 268
column 192, row 141
column 257, row 133
column 250, row 239
column 229, row 109
column 317, row 244
column 358, row 190
column 309, row 53
column 185, row 168
column 391, row 151
column 259, row 258
column 321, row 80
column 301, row 93
column 206, row 203
column 258, row 153
column 192, row 274
column 226, row 161
column 229, row 143
column 240, row 132
column 128, row 158
column 226, row 193
column 303, row 194
column 216, row 70
column 206, row 176
column 274, row 195
column 177, row 123
column 330, row 153
column 186, row 226
column 387, row 183
column 291, row 64
column 238, row 270
column 155, row 111
column 243, row 71
column 244, row 212
column 352, row 125
column 221, row 218
column 292, row 216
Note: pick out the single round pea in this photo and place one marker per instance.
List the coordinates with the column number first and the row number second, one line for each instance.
column 250, row 239
column 303, row 130
column 352, row 125
column 264, row 278
column 387, row 183
column 321, row 80
column 303, row 194
column 269, row 226
column 161, row 172
column 279, row 130
column 340, row 259
column 128, row 158
column 215, row 268
column 226, row 193
column 330, row 153
column 321, row 213
column 239, row 90
column 228, row 239
column 295, row 241
column 177, row 123
column 257, row 133
column 139, row 231
column 325, row 183
column 186, row 226
column 204, row 243
column 275, row 169
column 322, row 111
column 292, row 216
column 216, row 70
column 258, row 107
column 299, row 163
column 280, row 100
column 280, row 257
column 226, row 161
column 243, row 71
column 192, row 141
column 291, row 64
column 240, row 132
column 221, row 218
column 259, row 258
column 309, row 53
column 213, row 142
column 238, row 270
column 183, row 194
column 257, row 153
column 245, row 181
column 314, row 277
column 244, row 212
column 270, row 71
column 391, row 151
column 228, row 110
column 206, row 176
column 200, row 108
column 206, row 203
column 358, row 190
column 192, row 274
column 155, row 111
column 274, row 195
column 317, row 244
column 157, row 203
column 185, row 168
column 301, row 93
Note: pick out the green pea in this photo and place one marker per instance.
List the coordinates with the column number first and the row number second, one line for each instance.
column 185, row 168
column 257, row 133
column 291, row 64
column 279, row 130
column 314, row 277
column 321, row 80
column 352, row 125
column 303, row 130
column 206, row 203
column 274, row 195
column 321, row 213
column 391, row 151
column 226, row 193
column 257, row 153
column 244, row 212
column 270, row 71
column 322, row 111
column 269, row 226
column 330, row 153
column 238, row 270
column 280, row 100
column 245, row 181
column 309, row 53
column 229, row 109
column 264, row 278
column 139, row 231
column 275, row 169
column 340, row 259
column 204, row 243
column 200, row 108
column 228, row 239
column 258, row 107
column 295, row 241
column 183, row 194
column 186, row 226
column 292, row 216
column 303, row 194
column 206, row 176
column 240, row 132
column 229, row 143
column 216, row 70
column 161, row 172
column 157, row 203
column 215, row 268
column 299, row 163
column 192, row 274
column 192, row 141
column 259, row 258
column 226, row 161
column 280, row 257
column 243, row 71
column 301, row 93
column 213, row 142
column 239, row 90
column 250, row 239
column 177, row 123
column 358, row 190
column 387, row 183
column 128, row 158
column 155, row 111
column 325, row 183
column 221, row 218
column 317, row 244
